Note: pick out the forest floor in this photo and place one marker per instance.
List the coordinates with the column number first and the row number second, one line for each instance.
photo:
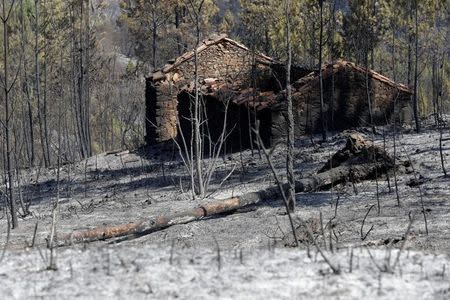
column 244, row 254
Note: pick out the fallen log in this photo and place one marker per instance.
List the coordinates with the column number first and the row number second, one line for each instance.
column 113, row 152
column 365, row 169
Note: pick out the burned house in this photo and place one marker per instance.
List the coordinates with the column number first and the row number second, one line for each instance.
column 241, row 88
column 233, row 81
column 353, row 97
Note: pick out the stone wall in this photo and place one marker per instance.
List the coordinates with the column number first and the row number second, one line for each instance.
column 348, row 108
column 231, row 69
column 222, row 61
column 218, row 61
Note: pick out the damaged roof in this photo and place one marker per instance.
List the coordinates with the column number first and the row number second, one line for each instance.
column 253, row 98
column 249, row 97
column 159, row 74
column 342, row 65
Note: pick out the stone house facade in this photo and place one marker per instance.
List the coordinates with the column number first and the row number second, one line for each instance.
column 349, row 92
column 244, row 89
column 223, row 64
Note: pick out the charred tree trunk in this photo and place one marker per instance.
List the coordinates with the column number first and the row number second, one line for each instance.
column 322, row 108
column 332, row 47
column 416, row 59
column 290, row 116
column 38, row 83
column 45, row 110
column 74, row 90
column 197, row 119
column 7, row 86
column 87, row 85
column 25, row 91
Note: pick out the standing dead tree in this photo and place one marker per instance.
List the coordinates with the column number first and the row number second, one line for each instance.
column 440, row 114
column 322, row 107
column 41, row 107
column 290, row 187
column 8, row 232
column 55, row 209
column 195, row 9
column 416, row 62
column 290, row 115
column 28, row 117
column 81, row 63
column 215, row 147
column 7, row 87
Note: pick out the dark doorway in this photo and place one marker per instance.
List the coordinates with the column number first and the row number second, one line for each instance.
column 237, row 135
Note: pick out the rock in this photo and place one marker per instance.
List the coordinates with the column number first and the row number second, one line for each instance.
column 175, row 77
column 356, row 142
column 358, row 151
column 158, row 76
column 416, row 181
column 210, row 81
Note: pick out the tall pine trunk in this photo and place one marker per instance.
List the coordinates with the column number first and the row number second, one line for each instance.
column 322, row 108
column 87, row 85
column 416, row 59
column 38, row 82
column 25, row 91
column 290, row 115
column 8, row 109
column 197, row 112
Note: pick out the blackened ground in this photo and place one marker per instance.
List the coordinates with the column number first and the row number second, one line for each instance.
column 123, row 187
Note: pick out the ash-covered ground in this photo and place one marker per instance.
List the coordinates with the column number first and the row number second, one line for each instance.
column 245, row 254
